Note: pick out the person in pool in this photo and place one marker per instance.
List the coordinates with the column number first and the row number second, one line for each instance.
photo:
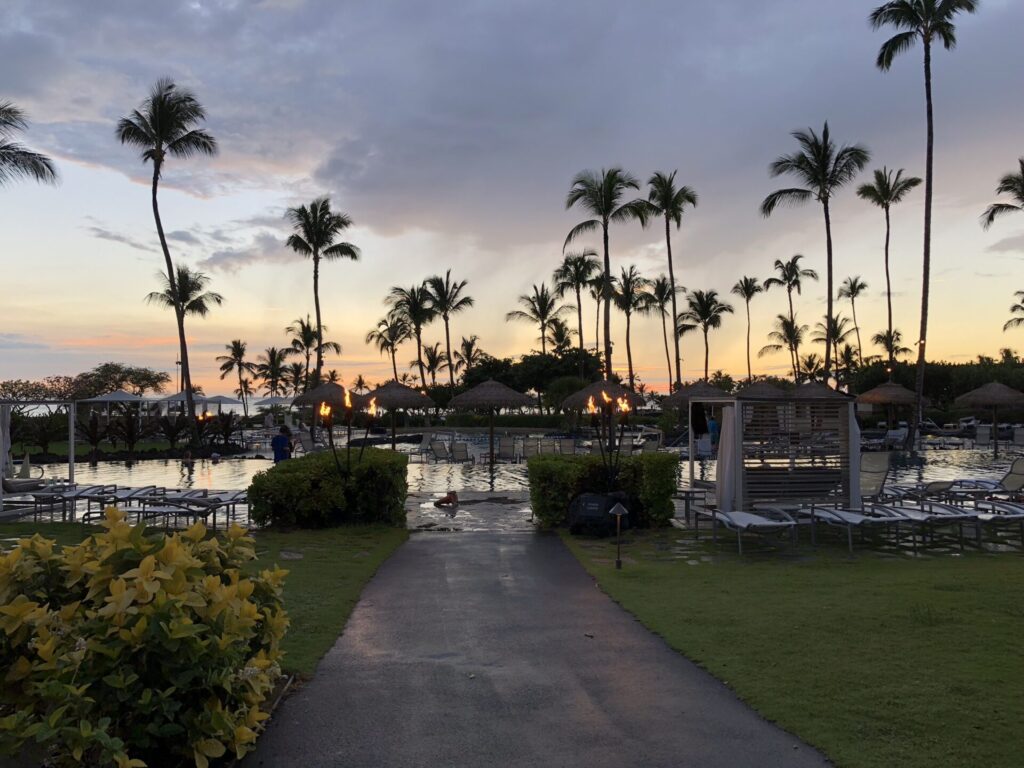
column 282, row 445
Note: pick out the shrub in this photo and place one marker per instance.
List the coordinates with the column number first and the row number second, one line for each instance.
column 135, row 649
column 649, row 480
column 309, row 492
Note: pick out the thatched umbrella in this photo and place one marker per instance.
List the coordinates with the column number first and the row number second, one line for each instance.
column 333, row 395
column 889, row 393
column 578, row 400
column 992, row 395
column 699, row 390
column 761, row 390
column 490, row 395
column 395, row 397
column 815, row 390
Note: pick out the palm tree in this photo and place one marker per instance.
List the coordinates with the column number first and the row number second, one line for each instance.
column 788, row 335
column 390, row 332
column 810, row 367
column 333, row 377
column 295, row 375
column 559, row 336
column 662, row 302
column 1016, row 312
column 670, row 202
column 747, row 288
column 892, row 343
column 433, row 360
column 576, row 272
column 846, row 364
column 186, row 294
column 885, row 192
column 316, row 231
column 599, row 286
column 823, row 169
column 270, row 368
column 837, row 332
column 447, row 299
column 704, row 311
column 851, row 288
column 360, row 385
column 600, row 194
column 1011, row 184
column 927, row 20
column 244, row 392
column 16, row 160
column 304, row 342
column 167, row 124
column 791, row 275
column 631, row 296
column 407, row 379
column 234, row 362
column 414, row 306
column 468, row 354
column 541, row 308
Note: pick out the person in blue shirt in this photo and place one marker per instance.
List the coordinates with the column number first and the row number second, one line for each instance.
column 282, row 445
column 714, row 431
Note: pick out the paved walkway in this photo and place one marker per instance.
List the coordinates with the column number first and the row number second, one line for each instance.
column 497, row 649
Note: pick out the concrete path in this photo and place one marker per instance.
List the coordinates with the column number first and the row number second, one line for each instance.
column 489, row 649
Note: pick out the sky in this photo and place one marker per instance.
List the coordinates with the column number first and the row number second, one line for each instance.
column 450, row 133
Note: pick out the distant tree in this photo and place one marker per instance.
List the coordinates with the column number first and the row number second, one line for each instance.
column 447, row 299
column 434, row 360
column 892, row 344
column 234, row 362
column 415, row 306
column 662, row 303
column 390, row 332
column 851, row 288
column 295, row 378
column 704, row 311
column 468, row 354
column 270, row 368
column 575, row 274
column 1016, row 312
column 811, row 368
column 559, row 336
column 541, row 308
column 1011, row 184
column 791, row 275
column 785, row 334
column 631, row 297
column 304, row 341
column 16, row 160
column 360, row 385
column 747, row 288
column 836, row 333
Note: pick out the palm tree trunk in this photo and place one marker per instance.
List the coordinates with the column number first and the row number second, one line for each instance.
column 629, row 351
column 448, row 353
column 579, row 317
column 319, row 329
column 856, row 327
column 705, row 354
column 419, row 357
column 241, row 394
column 888, row 291
column 668, row 358
column 750, row 377
column 675, row 311
column 543, row 337
column 828, row 287
column 607, row 296
column 794, row 351
column 597, row 325
column 927, row 256
column 394, row 362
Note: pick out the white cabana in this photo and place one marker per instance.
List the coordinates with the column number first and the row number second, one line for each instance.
column 117, row 396
column 268, row 402
column 6, row 407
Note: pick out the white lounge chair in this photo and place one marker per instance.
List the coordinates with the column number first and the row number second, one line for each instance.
column 531, row 447
column 767, row 522
column 460, row 453
column 567, row 446
column 506, row 449
column 548, row 447
column 439, row 450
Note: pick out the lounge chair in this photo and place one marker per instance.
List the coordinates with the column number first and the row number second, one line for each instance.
column 460, row 453
column 66, row 495
column 439, row 450
column 1011, row 484
column 548, row 447
column 18, row 486
column 531, row 447
column 567, row 446
column 982, row 435
column 767, row 522
column 506, row 449
column 874, row 470
column 847, row 519
column 925, row 516
column 895, row 438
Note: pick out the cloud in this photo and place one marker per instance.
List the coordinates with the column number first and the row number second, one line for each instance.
column 1012, row 244
column 117, row 237
column 182, row 236
column 19, row 341
column 263, row 248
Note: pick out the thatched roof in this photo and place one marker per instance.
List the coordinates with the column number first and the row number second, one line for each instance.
column 490, row 394
column 332, row 394
column 992, row 395
column 699, row 389
column 889, row 393
column 395, row 396
column 761, row 390
column 815, row 390
column 578, row 400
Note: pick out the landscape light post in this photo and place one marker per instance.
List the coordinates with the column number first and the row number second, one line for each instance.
column 618, row 510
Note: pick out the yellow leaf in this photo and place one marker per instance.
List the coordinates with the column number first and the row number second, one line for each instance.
column 210, row 748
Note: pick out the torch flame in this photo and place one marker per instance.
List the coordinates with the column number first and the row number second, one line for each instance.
column 623, row 404
column 604, row 396
column 348, row 400
column 591, row 405
column 373, row 406
column 325, row 410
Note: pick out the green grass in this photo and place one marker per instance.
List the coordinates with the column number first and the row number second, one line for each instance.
column 321, row 588
column 877, row 661
column 82, row 451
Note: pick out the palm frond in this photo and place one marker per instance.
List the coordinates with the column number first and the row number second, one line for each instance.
column 581, row 229
column 792, row 196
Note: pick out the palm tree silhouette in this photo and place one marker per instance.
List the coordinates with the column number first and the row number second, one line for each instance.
column 166, row 125
column 316, row 231
column 791, row 275
column 16, row 160
column 414, row 306
column 851, row 288
column 575, row 273
column 631, row 296
column 600, row 194
column 234, row 362
column 1011, row 184
column 892, row 343
column 433, row 360
column 1016, row 312
column 390, row 332
column 747, row 288
column 704, row 311
column 670, row 202
column 662, row 302
column 541, row 308
column 786, row 334
column 468, row 354
column 304, row 342
column 559, row 336
column 838, row 330
column 823, row 169
column 270, row 368
column 186, row 294
column 887, row 190
column 447, row 299
column 927, row 21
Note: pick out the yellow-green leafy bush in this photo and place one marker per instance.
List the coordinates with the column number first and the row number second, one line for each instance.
column 136, row 649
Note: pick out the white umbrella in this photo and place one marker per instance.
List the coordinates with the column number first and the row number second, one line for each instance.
column 276, row 400
column 117, row 396
column 180, row 398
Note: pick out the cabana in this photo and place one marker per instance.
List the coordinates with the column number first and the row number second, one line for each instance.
column 801, row 446
column 5, row 433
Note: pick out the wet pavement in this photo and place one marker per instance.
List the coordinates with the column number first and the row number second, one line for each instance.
column 497, row 649
column 497, row 511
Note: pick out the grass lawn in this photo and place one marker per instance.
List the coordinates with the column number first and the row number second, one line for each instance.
column 878, row 662
column 321, row 588
column 60, row 448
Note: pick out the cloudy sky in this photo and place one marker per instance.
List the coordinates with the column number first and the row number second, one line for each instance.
column 450, row 133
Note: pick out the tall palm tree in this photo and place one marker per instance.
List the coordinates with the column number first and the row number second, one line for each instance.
column 433, row 360
column 447, row 299
column 851, row 288
column 360, row 385
column 670, row 202
column 414, row 306
column 928, row 21
column 244, row 392
column 574, row 274
column 810, row 367
column 599, row 286
column 786, row 334
column 390, row 332
column 559, row 336
column 600, row 194
column 333, row 377
column 16, row 160
column 186, row 294
column 846, row 365
column 295, row 375
column 1011, row 184
column 304, row 341
column 836, row 332
column 270, row 368
column 468, row 354
column 887, row 190
column 234, row 362
column 703, row 311
column 315, row 236
column 747, row 288
column 662, row 302
column 791, row 275
column 1016, row 312
column 822, row 168
column 166, row 125
column 892, row 343
column 541, row 308
column 631, row 297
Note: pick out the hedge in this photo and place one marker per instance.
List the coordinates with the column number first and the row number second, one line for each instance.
column 309, row 492
column 649, row 480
